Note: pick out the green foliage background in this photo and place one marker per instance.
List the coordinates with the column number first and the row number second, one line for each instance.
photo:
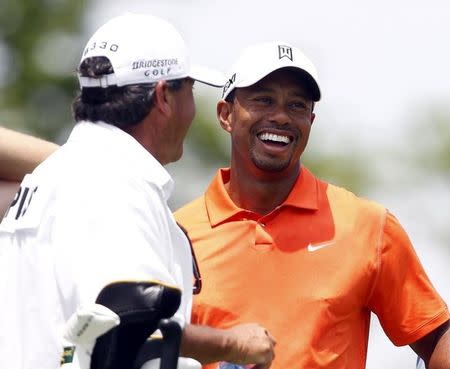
column 39, row 38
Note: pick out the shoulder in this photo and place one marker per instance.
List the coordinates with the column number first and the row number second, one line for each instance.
column 347, row 200
column 95, row 187
column 355, row 213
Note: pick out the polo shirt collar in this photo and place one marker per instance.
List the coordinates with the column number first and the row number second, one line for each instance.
column 128, row 154
column 220, row 207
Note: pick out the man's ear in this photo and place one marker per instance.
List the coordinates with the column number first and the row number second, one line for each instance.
column 313, row 116
column 162, row 98
column 224, row 115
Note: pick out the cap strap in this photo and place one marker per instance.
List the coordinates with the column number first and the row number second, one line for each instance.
column 104, row 81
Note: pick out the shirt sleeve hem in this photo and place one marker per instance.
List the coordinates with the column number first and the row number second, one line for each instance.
column 424, row 329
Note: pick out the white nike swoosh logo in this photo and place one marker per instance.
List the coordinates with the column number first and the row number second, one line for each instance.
column 312, row 248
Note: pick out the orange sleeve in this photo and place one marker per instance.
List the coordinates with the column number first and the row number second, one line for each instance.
column 403, row 297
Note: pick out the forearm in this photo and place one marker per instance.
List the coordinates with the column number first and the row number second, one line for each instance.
column 7, row 192
column 21, row 153
column 206, row 344
column 242, row 344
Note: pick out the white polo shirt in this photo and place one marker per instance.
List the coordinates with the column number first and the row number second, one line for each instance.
column 95, row 212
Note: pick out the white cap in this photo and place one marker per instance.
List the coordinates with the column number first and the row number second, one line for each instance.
column 259, row 60
column 143, row 49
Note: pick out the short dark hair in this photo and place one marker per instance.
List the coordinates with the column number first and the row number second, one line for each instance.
column 121, row 106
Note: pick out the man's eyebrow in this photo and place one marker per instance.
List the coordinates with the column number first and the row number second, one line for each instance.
column 301, row 94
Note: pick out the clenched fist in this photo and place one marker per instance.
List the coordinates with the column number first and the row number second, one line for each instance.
column 251, row 343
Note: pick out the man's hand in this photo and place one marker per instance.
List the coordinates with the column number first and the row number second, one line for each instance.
column 251, row 343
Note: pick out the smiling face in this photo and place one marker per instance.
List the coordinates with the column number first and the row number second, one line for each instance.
column 269, row 122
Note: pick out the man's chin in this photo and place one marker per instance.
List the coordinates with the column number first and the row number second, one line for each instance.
column 271, row 166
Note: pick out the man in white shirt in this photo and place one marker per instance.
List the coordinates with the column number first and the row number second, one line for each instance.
column 91, row 266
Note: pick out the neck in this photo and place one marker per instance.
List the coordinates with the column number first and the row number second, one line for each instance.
column 258, row 191
column 147, row 134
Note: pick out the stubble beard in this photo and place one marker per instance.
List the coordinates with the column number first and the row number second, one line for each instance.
column 269, row 164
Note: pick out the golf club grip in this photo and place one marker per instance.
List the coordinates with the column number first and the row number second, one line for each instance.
column 170, row 352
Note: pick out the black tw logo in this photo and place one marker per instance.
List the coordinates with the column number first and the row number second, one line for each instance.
column 285, row 52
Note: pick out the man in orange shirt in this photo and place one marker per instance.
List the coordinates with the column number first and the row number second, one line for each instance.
column 306, row 259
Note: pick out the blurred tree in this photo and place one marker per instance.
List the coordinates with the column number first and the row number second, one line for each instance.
column 39, row 46
column 431, row 141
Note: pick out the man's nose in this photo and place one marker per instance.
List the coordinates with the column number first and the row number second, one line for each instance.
column 280, row 114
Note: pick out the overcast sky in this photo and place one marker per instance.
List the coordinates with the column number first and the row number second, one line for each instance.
column 381, row 64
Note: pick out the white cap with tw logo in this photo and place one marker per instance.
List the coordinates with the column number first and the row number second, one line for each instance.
column 143, row 49
column 259, row 60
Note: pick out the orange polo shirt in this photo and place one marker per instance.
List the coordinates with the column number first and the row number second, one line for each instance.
column 311, row 271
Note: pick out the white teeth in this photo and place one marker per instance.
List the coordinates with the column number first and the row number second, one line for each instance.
column 273, row 137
